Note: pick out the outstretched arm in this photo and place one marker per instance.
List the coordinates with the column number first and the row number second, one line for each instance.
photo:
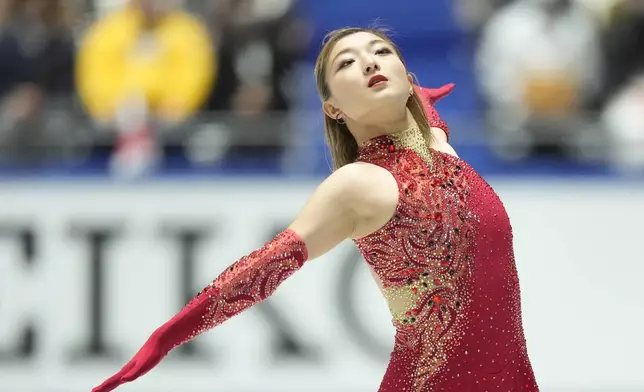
column 327, row 219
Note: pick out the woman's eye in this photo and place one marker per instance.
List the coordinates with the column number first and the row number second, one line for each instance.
column 383, row 51
column 345, row 63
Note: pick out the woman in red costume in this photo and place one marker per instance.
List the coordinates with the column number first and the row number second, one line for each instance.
column 435, row 235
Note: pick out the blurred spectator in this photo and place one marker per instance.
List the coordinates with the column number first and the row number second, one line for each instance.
column 539, row 68
column 624, row 115
column 474, row 14
column 150, row 48
column 624, row 120
column 602, row 9
column 149, row 63
column 36, row 73
column 624, row 45
column 259, row 42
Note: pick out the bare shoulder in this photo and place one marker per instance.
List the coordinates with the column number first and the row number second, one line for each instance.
column 372, row 192
column 350, row 202
column 364, row 182
column 439, row 134
column 441, row 143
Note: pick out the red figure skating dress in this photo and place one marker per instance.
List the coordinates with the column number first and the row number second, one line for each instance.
column 444, row 263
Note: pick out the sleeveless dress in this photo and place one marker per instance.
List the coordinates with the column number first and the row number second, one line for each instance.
column 445, row 264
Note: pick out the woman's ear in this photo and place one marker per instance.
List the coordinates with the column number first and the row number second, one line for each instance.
column 332, row 111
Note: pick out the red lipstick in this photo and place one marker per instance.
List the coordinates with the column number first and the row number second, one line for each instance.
column 375, row 79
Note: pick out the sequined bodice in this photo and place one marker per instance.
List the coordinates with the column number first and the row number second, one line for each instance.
column 443, row 260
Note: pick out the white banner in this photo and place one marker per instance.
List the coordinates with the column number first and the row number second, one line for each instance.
column 88, row 270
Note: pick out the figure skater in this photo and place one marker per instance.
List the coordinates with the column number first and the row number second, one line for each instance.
column 435, row 235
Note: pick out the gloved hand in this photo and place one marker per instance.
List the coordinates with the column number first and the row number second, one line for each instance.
column 145, row 359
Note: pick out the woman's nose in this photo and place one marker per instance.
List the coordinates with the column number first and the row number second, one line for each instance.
column 371, row 66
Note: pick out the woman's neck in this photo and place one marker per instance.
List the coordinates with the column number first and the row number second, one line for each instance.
column 365, row 132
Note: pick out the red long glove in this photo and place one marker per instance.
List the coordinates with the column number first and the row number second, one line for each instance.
column 245, row 283
column 430, row 96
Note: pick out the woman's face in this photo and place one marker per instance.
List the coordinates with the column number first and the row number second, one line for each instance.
column 368, row 81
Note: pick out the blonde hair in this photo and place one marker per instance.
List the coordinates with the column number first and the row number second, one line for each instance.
column 342, row 144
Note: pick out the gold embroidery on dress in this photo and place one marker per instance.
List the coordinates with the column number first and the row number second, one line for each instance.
column 404, row 300
column 412, row 138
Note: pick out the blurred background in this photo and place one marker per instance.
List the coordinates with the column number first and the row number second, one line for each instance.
column 147, row 144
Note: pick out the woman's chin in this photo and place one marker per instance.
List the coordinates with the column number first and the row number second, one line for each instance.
column 387, row 97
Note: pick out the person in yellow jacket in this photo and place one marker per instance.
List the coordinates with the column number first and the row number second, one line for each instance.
column 150, row 50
